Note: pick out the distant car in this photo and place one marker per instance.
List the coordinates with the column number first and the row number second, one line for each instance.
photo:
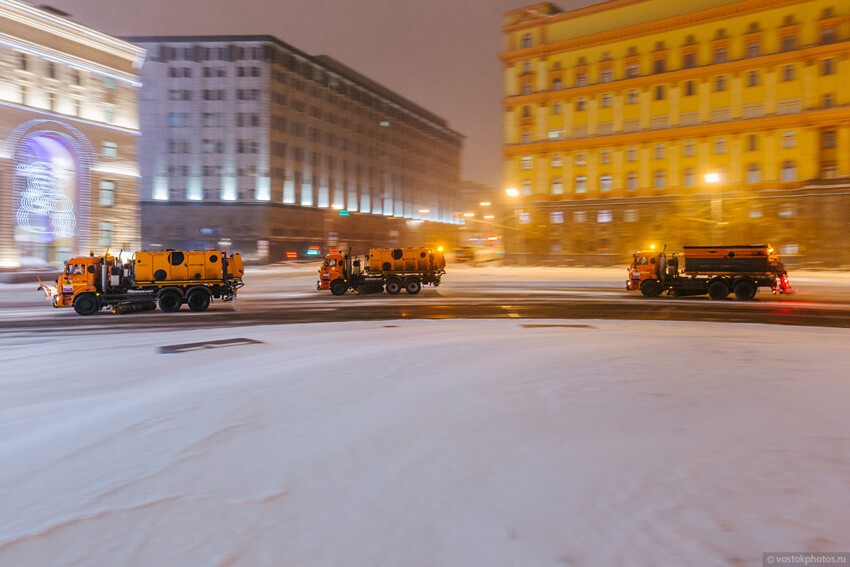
column 465, row 254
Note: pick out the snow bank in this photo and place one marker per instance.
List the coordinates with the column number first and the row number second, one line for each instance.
column 426, row 443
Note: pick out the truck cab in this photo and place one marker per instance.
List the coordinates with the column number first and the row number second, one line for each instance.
column 646, row 265
column 334, row 267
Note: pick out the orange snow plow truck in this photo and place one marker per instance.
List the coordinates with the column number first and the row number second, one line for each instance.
column 168, row 278
column 712, row 270
column 392, row 269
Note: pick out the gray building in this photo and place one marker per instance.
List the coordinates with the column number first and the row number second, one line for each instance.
column 248, row 142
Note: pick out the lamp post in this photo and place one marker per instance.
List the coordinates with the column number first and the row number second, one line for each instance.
column 713, row 180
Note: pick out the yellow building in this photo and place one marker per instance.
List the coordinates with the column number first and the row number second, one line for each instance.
column 632, row 122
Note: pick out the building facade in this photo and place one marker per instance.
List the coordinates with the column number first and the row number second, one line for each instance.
column 68, row 129
column 633, row 122
column 253, row 144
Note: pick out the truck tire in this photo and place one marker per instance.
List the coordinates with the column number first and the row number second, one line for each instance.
column 650, row 288
column 413, row 286
column 393, row 286
column 718, row 290
column 86, row 304
column 745, row 290
column 339, row 287
column 198, row 300
column 170, row 301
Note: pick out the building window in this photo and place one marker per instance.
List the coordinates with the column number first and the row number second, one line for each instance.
column 632, row 70
column 720, row 145
column 557, row 85
column 605, row 182
column 107, row 193
column 632, row 96
column 604, row 216
column 786, row 212
column 605, row 156
column 557, row 107
column 24, row 62
column 631, row 180
column 827, row 100
column 631, row 153
column 581, row 104
column 526, row 188
column 581, row 184
column 527, row 41
column 689, row 60
column 789, row 139
column 753, row 173
column 659, row 179
column 756, row 214
column 752, row 78
column 788, row 43
column 659, row 66
column 752, row 142
column 605, row 101
column 828, row 35
column 753, row 49
column 721, row 55
column 109, row 149
column 526, row 67
column 660, row 93
column 556, row 217
column 787, row 73
column 525, row 137
column 51, row 70
column 789, row 171
column 689, row 177
column 581, row 158
column 525, row 162
column 109, row 83
column 606, row 76
column 659, row 151
column 827, row 67
column 689, row 148
column 525, row 89
column 579, row 217
column 720, row 83
column 829, row 170
column 690, row 88
column 557, row 161
column 630, row 215
column 581, row 79
column 105, row 238
column 828, row 139
column 557, row 186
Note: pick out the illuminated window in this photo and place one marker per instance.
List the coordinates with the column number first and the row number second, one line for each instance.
column 605, row 156
column 109, row 149
column 557, row 161
column 107, row 193
column 581, row 158
column 786, row 212
column 606, row 76
column 753, row 173
column 789, row 171
column 631, row 153
column 526, row 187
column 689, row 177
column 556, row 217
column 525, row 162
column 632, row 70
column 659, row 151
column 720, row 145
column 753, row 49
column 604, row 216
column 557, row 107
column 632, row 96
column 525, row 137
column 105, row 237
column 605, row 182
column 756, row 214
column 659, row 179
column 689, row 148
column 605, row 101
column 631, row 180
column 581, row 79
column 581, row 184
column 630, row 215
column 557, row 187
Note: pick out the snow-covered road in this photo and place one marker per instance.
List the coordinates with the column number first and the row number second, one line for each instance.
column 423, row 442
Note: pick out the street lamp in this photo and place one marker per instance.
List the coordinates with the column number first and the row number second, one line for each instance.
column 713, row 179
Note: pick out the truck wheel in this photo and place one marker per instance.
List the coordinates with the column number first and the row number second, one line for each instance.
column 718, row 290
column 393, row 286
column 198, row 300
column 413, row 286
column 170, row 301
column 650, row 288
column 745, row 290
column 339, row 287
column 86, row 304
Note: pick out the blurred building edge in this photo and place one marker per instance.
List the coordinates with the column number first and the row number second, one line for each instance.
column 252, row 144
column 616, row 112
column 68, row 130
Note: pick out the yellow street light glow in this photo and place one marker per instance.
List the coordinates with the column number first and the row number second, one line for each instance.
column 424, row 210
column 439, row 248
column 712, row 178
column 489, row 216
column 469, row 214
column 652, row 246
column 484, row 203
column 512, row 192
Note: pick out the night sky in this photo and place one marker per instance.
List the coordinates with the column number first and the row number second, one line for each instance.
column 440, row 54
